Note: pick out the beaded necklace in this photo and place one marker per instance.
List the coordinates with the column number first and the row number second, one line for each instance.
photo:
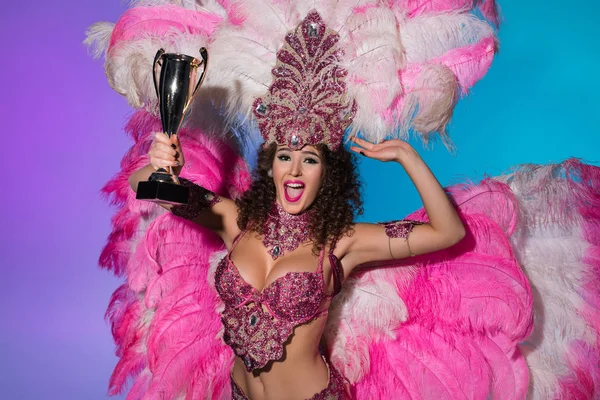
column 284, row 232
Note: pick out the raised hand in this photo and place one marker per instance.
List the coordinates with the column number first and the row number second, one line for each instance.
column 166, row 152
column 388, row 150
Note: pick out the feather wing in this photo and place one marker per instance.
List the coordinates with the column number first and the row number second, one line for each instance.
column 557, row 244
column 459, row 314
column 460, row 323
column 164, row 319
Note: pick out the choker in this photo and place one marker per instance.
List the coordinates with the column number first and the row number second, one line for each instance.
column 284, row 232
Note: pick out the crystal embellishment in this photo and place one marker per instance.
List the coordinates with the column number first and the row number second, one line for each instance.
column 308, row 98
column 253, row 320
column 399, row 229
column 276, row 251
column 262, row 109
column 257, row 324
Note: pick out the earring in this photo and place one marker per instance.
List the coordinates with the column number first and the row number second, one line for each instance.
column 270, row 173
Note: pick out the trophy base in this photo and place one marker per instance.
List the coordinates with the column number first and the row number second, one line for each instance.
column 162, row 192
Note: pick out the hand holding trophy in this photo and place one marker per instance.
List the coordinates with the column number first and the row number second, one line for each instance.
column 176, row 84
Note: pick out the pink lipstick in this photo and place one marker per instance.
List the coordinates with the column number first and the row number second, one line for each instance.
column 293, row 190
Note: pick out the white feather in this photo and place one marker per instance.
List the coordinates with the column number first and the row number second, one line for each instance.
column 367, row 308
column 430, row 36
column 98, row 37
column 208, row 6
column 129, row 66
column 550, row 247
column 374, row 57
column 429, row 104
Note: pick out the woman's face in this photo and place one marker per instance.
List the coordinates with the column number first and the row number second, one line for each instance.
column 298, row 175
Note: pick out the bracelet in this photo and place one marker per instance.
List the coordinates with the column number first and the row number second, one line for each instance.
column 399, row 229
column 200, row 199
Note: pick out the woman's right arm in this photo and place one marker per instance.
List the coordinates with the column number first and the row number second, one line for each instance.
column 214, row 212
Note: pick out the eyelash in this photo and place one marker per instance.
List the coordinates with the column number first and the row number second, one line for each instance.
column 309, row 160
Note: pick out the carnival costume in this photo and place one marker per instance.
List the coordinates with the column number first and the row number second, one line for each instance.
column 463, row 323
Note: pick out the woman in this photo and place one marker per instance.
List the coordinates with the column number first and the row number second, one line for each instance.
column 315, row 190
column 455, row 324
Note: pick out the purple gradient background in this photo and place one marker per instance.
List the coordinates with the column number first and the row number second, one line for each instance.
column 63, row 139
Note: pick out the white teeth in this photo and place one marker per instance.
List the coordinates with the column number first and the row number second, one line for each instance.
column 295, row 185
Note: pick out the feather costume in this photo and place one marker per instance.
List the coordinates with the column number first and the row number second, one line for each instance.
column 510, row 312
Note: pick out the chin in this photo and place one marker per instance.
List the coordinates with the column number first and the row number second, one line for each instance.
column 294, row 208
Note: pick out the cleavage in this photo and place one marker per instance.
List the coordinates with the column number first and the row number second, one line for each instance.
column 257, row 256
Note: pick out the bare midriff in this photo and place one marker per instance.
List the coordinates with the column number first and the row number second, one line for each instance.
column 300, row 374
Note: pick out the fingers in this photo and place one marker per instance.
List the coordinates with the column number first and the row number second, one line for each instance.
column 161, row 163
column 163, row 148
column 367, row 149
column 361, row 151
column 159, row 158
column 161, row 137
column 363, row 143
column 164, row 152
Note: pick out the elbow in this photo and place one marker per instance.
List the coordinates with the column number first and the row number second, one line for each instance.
column 132, row 183
column 449, row 238
column 458, row 234
column 454, row 236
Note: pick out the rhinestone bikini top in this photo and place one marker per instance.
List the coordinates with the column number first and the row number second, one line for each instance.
column 257, row 324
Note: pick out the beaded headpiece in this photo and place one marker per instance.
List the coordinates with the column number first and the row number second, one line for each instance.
column 307, row 102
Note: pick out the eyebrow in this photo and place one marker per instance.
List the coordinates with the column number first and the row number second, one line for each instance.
column 303, row 152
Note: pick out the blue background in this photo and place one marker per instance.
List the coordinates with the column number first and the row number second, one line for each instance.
column 62, row 139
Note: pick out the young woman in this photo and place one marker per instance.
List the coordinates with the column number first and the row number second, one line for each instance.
column 291, row 241
column 451, row 325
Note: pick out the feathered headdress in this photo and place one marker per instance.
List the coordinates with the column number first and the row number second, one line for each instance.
column 307, row 103
column 404, row 62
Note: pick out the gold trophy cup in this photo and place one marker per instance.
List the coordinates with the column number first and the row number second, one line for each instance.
column 176, row 83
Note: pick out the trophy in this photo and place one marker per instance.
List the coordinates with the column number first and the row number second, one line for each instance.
column 176, row 84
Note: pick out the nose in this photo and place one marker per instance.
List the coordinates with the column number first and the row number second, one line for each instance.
column 296, row 167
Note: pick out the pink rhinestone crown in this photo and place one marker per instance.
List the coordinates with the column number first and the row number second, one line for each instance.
column 307, row 102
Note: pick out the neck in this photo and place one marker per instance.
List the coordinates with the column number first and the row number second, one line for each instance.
column 284, row 232
column 278, row 211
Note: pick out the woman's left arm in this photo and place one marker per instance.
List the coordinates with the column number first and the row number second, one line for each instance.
column 401, row 239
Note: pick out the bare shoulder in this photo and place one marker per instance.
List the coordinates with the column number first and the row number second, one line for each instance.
column 359, row 231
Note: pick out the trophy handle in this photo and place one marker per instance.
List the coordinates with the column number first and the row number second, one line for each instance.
column 204, row 55
column 157, row 57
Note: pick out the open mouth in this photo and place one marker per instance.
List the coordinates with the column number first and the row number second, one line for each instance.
column 293, row 190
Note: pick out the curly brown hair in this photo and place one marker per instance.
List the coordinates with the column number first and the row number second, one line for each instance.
column 337, row 204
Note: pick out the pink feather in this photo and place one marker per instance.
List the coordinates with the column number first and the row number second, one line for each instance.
column 470, row 63
column 164, row 319
column 583, row 381
column 414, row 8
column 163, row 21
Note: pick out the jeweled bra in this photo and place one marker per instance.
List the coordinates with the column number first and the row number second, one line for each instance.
column 258, row 323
